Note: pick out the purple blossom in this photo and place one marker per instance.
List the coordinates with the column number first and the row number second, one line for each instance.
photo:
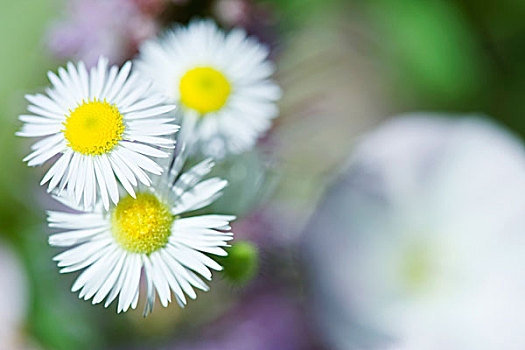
column 267, row 321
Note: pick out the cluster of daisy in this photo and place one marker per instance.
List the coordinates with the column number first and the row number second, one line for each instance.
column 110, row 135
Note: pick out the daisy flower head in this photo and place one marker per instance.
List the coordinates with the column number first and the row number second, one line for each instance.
column 101, row 126
column 153, row 232
column 221, row 81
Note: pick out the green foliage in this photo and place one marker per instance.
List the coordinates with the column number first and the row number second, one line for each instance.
column 430, row 46
column 57, row 319
column 22, row 68
column 293, row 13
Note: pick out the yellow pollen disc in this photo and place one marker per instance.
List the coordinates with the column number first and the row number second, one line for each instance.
column 141, row 225
column 93, row 128
column 204, row 89
column 416, row 267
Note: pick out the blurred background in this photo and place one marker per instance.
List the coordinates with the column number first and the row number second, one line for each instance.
column 359, row 228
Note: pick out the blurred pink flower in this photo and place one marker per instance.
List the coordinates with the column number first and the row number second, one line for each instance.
column 233, row 12
column 256, row 18
column 150, row 7
column 113, row 28
column 270, row 226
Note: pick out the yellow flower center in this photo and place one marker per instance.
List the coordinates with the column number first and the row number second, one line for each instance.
column 416, row 266
column 204, row 89
column 142, row 224
column 93, row 128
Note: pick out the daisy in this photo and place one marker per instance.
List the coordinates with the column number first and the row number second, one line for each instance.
column 103, row 125
column 153, row 232
column 221, row 82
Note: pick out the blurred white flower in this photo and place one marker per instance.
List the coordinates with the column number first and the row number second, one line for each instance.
column 222, row 82
column 13, row 300
column 421, row 244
